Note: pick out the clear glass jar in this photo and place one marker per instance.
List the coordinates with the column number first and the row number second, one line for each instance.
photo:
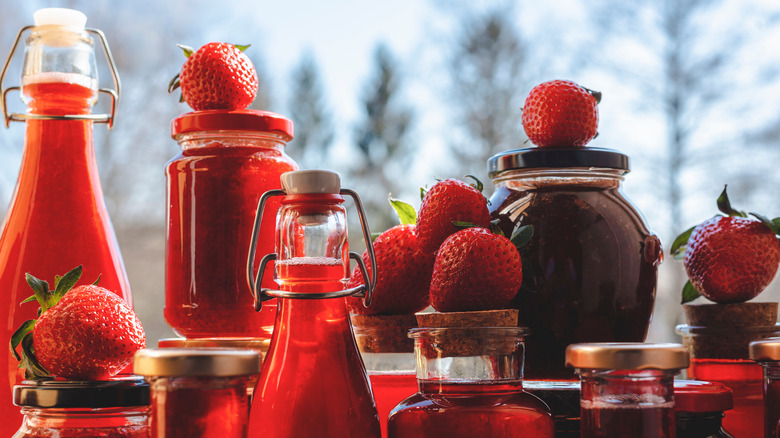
column 699, row 408
column 198, row 392
column 228, row 160
column 67, row 409
column 767, row 353
column 388, row 353
column 470, row 383
column 627, row 388
column 721, row 354
column 58, row 173
column 590, row 269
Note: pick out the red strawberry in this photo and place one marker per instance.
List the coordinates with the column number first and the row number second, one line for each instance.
column 83, row 333
column 446, row 203
column 217, row 76
column 475, row 270
column 404, row 274
column 729, row 259
column 560, row 114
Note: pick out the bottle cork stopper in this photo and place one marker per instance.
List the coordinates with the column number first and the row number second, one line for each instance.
column 483, row 318
column 384, row 333
column 731, row 315
column 470, row 339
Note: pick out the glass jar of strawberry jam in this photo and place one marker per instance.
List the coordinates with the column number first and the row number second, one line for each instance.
column 198, row 392
column 590, row 269
column 67, row 409
column 228, row 160
column 627, row 389
column 470, row 382
column 767, row 353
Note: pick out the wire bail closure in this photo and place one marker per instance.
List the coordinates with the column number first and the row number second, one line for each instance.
column 96, row 118
column 264, row 294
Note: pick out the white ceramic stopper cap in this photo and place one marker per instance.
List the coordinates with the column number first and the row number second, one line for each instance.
column 60, row 17
column 300, row 182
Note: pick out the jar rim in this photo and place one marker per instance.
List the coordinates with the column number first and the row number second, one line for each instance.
column 207, row 362
column 236, row 120
column 765, row 350
column 119, row 392
column 468, row 332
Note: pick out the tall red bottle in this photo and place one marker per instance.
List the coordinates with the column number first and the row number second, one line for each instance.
column 57, row 219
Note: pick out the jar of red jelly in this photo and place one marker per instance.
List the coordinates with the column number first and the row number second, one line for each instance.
column 767, row 353
column 700, row 407
column 590, row 269
column 198, row 393
column 470, row 383
column 718, row 337
column 627, row 388
column 228, row 160
column 67, row 409
column 388, row 354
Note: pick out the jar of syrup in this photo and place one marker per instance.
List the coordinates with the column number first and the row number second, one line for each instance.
column 198, row 392
column 228, row 160
column 590, row 269
column 627, row 389
column 470, row 383
column 66, row 409
column 767, row 353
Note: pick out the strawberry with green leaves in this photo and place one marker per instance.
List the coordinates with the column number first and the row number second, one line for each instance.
column 561, row 114
column 729, row 258
column 447, row 207
column 218, row 76
column 82, row 332
column 403, row 270
column 476, row 269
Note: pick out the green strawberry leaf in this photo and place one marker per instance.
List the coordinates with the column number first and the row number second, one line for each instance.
column 96, row 282
column 29, row 299
column 724, row 205
column 67, row 282
column 242, row 47
column 522, row 235
column 462, row 225
column 19, row 334
column 33, row 369
column 769, row 223
column 40, row 289
column 188, row 51
column 406, row 213
column 477, row 183
column 689, row 293
column 596, row 94
column 174, row 84
column 423, row 191
column 679, row 245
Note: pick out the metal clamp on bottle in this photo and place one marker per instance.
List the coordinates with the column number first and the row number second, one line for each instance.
column 310, row 229
column 55, row 29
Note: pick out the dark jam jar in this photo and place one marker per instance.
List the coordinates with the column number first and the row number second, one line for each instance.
column 699, row 408
column 767, row 353
column 67, row 409
column 590, row 269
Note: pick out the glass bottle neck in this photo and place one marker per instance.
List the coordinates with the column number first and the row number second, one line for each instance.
column 700, row 424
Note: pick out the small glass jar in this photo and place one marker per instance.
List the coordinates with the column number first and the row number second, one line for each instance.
column 627, row 388
column 720, row 353
column 388, row 354
column 470, row 383
column 198, row 393
column 767, row 353
column 68, row 409
column 563, row 398
column 228, row 160
column 590, row 269
column 700, row 407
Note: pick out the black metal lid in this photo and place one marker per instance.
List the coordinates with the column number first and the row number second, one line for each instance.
column 122, row 392
column 557, row 158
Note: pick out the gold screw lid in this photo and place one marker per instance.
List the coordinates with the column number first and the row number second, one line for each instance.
column 181, row 362
column 765, row 350
column 627, row 356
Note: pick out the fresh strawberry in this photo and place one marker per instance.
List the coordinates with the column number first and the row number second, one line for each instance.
column 560, row 114
column 475, row 270
column 729, row 259
column 447, row 207
column 217, row 76
column 404, row 274
column 82, row 333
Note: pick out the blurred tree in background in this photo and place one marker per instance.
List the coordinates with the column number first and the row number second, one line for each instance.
column 307, row 106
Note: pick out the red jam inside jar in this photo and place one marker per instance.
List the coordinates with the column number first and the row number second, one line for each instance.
column 470, row 384
column 590, row 269
column 63, row 409
column 228, row 160
column 198, row 392
column 767, row 353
